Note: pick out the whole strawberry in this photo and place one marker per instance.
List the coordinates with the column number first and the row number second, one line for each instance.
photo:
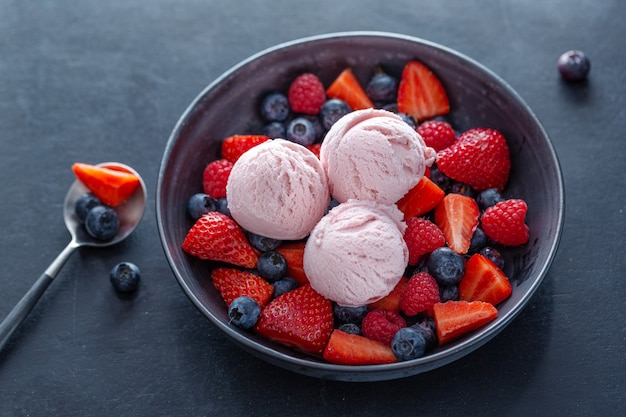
column 306, row 94
column 232, row 283
column 437, row 134
column 381, row 325
column 422, row 236
column 480, row 158
column 421, row 294
column 215, row 177
column 217, row 237
column 505, row 222
column 234, row 146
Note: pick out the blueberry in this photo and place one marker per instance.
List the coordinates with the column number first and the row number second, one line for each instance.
column 125, row 276
column 479, row 241
column 427, row 329
column 102, row 223
column 408, row 344
column 284, row 285
column 200, row 204
column 263, row 243
column 446, row 266
column 350, row 328
column 244, row 312
column 408, row 119
column 301, row 130
column 345, row 314
column 222, row 206
column 333, row 203
column 457, row 187
column 493, row 255
column 488, row 198
column 448, row 293
column 333, row 110
column 275, row 130
column 382, row 88
column 574, row 66
column 439, row 178
column 275, row 107
column 85, row 203
column 272, row 266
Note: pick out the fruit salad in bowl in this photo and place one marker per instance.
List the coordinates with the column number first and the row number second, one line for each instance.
column 359, row 206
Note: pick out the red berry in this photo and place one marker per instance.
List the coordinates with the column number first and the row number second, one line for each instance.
column 457, row 217
column 215, row 177
column 421, row 294
column 420, row 93
column 306, row 94
column 236, row 145
column 484, row 281
column 504, row 222
column 454, row 319
column 352, row 349
column 346, row 87
column 232, row 283
column 422, row 236
column 392, row 300
column 111, row 185
column 421, row 199
column 437, row 134
column 381, row 325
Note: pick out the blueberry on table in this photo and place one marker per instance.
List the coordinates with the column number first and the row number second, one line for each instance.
column 244, row 312
column 446, row 266
column 408, row 344
column 102, row 223
column 200, row 204
column 84, row 204
column 574, row 65
column 125, row 276
column 272, row 266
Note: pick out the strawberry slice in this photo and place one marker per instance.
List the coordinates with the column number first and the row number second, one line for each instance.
column 457, row 217
column 217, row 237
column 352, row 349
column 232, row 283
column 300, row 318
column 421, row 199
column 420, row 93
column 111, row 185
column 236, row 145
column 346, row 87
column 484, row 281
column 392, row 300
column 294, row 255
column 454, row 319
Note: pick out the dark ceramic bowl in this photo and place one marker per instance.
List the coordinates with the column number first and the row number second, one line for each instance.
column 478, row 98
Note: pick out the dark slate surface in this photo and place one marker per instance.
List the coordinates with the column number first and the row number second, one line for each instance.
column 97, row 81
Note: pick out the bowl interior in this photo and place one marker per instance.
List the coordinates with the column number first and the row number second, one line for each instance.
column 478, row 98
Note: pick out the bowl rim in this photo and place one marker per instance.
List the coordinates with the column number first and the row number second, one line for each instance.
column 365, row 372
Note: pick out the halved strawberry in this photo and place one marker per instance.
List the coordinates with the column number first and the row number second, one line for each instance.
column 300, row 318
column 236, row 145
column 420, row 199
column 294, row 254
column 420, row 93
column 457, row 217
column 315, row 148
column 111, row 185
column 346, row 87
column 484, row 281
column 480, row 157
column 232, row 283
column 454, row 319
column 505, row 222
column 422, row 236
column 352, row 349
column 392, row 300
column 217, row 237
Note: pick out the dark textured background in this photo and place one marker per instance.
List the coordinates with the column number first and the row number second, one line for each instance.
column 96, row 81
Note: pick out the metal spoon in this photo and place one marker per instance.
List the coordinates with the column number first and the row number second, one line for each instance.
column 130, row 213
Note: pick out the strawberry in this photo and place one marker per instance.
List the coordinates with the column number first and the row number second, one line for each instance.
column 381, row 325
column 454, row 319
column 422, row 236
column 420, row 93
column 232, row 283
column 300, row 318
column 484, row 281
column 392, row 300
column 420, row 199
column 437, row 134
column 215, row 177
column 421, row 294
column 217, row 237
column 457, row 217
column 315, row 148
column 353, row 349
column 294, row 254
column 111, row 185
column 236, row 145
column 504, row 222
column 346, row 87
column 480, row 157
column 306, row 94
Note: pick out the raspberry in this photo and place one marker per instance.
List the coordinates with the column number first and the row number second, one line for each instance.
column 306, row 94
column 504, row 222
column 381, row 325
column 422, row 236
column 437, row 134
column 421, row 294
column 215, row 178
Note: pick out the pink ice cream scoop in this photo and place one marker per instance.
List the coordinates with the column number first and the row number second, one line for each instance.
column 278, row 189
column 373, row 155
column 356, row 254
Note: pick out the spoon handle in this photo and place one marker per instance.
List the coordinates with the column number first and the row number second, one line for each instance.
column 28, row 301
